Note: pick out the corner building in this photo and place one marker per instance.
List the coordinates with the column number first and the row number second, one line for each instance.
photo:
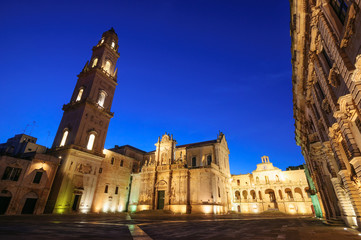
column 326, row 59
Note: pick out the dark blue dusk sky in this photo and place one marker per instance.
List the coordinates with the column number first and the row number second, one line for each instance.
column 190, row 68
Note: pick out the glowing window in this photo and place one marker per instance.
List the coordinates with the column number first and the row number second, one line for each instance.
column 63, row 140
column 91, row 141
column 101, row 42
column 80, row 93
column 113, row 44
column 95, row 61
column 107, row 66
column 101, row 98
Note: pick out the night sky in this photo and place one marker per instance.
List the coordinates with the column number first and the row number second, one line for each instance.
column 190, row 68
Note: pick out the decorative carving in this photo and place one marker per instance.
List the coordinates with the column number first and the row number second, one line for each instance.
column 350, row 25
column 357, row 73
column 326, row 106
column 84, row 168
column 319, row 46
column 333, row 77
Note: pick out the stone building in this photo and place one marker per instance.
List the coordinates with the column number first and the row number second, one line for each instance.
column 326, row 79
column 270, row 188
column 80, row 138
column 27, row 175
column 188, row 178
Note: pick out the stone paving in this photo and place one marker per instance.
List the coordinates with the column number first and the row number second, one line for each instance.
column 166, row 226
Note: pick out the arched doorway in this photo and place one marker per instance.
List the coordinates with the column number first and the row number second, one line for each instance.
column 30, row 202
column 253, row 195
column 161, row 187
column 244, row 193
column 271, row 198
column 239, row 208
column 5, row 198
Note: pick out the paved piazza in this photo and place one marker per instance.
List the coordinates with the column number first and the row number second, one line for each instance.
column 167, row 226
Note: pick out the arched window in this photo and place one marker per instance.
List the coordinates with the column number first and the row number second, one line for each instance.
column 237, row 195
column 63, row 139
column 91, row 141
column 238, row 182
column 95, row 61
column 80, row 93
column 107, row 66
column 113, row 44
column 257, row 179
column 101, row 98
column 277, row 178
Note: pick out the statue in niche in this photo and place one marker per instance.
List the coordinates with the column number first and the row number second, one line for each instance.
column 357, row 73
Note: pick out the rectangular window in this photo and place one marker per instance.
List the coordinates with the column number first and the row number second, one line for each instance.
column 106, row 189
column 340, row 8
column 11, row 173
column 112, row 161
column 209, row 159
column 116, row 190
column 100, row 170
column 327, row 58
column 194, row 161
column 121, row 163
column 37, row 177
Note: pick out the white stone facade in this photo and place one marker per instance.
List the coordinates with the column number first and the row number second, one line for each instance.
column 270, row 188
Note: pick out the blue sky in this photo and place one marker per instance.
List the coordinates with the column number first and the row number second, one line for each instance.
column 190, row 68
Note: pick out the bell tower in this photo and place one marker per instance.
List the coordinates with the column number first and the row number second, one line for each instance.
column 80, row 138
column 86, row 117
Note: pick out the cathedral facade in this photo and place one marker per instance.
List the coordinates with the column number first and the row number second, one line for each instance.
column 184, row 179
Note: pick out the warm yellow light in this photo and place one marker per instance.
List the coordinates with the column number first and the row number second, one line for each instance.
column 95, row 61
column 207, row 209
column 78, row 98
column 63, row 140
column 91, row 141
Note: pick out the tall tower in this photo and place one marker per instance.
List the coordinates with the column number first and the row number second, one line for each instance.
column 80, row 138
column 86, row 118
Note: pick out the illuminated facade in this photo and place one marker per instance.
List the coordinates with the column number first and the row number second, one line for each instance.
column 27, row 175
column 326, row 59
column 270, row 188
column 188, row 178
column 80, row 138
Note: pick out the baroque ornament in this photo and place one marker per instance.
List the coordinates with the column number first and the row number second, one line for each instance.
column 350, row 25
column 333, row 77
